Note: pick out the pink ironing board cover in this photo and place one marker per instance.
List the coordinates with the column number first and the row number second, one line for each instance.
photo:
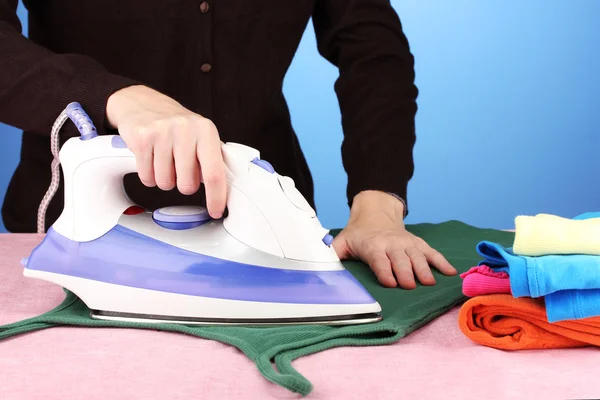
column 433, row 363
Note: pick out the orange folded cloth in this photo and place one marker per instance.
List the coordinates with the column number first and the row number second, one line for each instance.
column 504, row 322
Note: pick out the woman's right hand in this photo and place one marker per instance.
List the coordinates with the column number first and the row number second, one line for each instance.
column 173, row 146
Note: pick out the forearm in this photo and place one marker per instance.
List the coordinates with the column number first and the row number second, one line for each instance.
column 387, row 168
column 378, row 102
column 376, row 92
column 36, row 84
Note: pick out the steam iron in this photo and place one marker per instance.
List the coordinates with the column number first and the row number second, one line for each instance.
column 269, row 262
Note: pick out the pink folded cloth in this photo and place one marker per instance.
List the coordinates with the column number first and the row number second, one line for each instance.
column 482, row 280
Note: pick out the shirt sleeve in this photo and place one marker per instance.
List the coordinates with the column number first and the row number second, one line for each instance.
column 375, row 89
column 36, row 84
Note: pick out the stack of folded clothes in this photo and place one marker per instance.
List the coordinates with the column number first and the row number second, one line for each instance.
column 544, row 292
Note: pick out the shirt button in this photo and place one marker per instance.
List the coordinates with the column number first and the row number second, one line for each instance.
column 205, row 68
column 204, row 7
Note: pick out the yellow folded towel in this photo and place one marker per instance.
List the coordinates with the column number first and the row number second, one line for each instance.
column 546, row 234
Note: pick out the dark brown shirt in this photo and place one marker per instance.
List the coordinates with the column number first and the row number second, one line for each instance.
column 224, row 59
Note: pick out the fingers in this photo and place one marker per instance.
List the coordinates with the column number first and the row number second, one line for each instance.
column 408, row 263
column 182, row 152
column 403, row 268
column 164, row 169
column 436, row 259
column 145, row 167
column 173, row 146
column 420, row 266
column 381, row 266
column 396, row 257
column 187, row 167
column 213, row 169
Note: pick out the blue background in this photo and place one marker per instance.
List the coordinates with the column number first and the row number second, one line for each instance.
column 508, row 119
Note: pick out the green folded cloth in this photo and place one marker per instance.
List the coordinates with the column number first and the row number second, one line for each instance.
column 404, row 311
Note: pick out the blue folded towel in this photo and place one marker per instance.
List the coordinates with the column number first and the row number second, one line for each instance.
column 570, row 284
column 588, row 215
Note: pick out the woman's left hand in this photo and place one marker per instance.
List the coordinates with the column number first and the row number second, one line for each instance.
column 376, row 234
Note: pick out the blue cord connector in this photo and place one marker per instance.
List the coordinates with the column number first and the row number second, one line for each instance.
column 81, row 120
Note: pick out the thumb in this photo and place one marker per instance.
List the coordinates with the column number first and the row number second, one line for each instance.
column 340, row 245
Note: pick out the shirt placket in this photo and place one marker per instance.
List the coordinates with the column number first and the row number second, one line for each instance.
column 206, row 68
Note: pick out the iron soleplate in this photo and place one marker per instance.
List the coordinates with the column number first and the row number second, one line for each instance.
column 341, row 320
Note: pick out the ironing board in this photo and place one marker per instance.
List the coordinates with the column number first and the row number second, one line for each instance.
column 435, row 362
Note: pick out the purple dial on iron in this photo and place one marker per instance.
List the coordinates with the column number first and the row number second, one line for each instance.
column 181, row 217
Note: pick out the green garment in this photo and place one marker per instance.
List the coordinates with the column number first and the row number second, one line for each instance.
column 404, row 311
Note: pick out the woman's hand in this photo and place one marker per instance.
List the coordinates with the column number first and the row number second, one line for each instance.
column 173, row 146
column 376, row 234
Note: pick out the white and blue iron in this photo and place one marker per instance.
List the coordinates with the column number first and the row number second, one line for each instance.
column 269, row 262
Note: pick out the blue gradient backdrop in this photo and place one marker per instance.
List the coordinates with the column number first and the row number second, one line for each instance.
column 508, row 119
